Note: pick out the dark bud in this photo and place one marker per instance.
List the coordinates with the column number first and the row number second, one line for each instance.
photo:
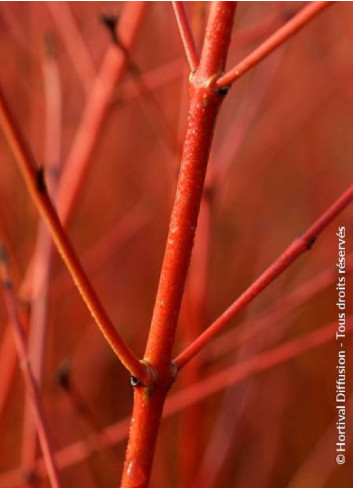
column 134, row 381
column 222, row 91
column 111, row 21
column 40, row 180
column 310, row 242
column 289, row 13
column 62, row 376
column 30, row 478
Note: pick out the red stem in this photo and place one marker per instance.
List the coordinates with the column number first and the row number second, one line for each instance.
column 43, row 253
column 192, row 324
column 104, row 248
column 32, row 390
column 172, row 70
column 255, row 326
column 74, row 43
column 279, row 37
column 259, row 363
column 204, row 105
column 294, row 250
column 186, row 35
column 38, row 193
column 97, row 107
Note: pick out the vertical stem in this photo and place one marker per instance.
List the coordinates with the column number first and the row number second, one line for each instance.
column 204, row 105
column 144, row 426
column 31, row 385
column 191, row 421
column 43, row 252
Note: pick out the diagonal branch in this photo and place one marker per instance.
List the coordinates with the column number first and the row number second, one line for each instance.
column 74, row 43
column 259, row 363
column 97, row 107
column 278, row 38
column 76, row 166
column 35, row 183
column 290, row 254
column 186, row 35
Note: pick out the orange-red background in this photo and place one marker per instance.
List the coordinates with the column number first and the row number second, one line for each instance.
column 284, row 143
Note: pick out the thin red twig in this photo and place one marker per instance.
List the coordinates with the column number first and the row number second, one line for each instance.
column 192, row 323
column 30, row 382
column 262, row 28
column 105, row 247
column 186, row 35
column 172, row 70
column 8, row 356
column 74, row 43
column 94, row 258
column 34, row 180
column 97, row 107
column 254, row 326
column 279, row 37
column 259, row 363
column 294, row 250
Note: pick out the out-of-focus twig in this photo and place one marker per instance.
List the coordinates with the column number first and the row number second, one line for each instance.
column 44, row 246
column 30, row 381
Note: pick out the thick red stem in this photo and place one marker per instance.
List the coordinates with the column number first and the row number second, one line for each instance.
column 204, row 105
